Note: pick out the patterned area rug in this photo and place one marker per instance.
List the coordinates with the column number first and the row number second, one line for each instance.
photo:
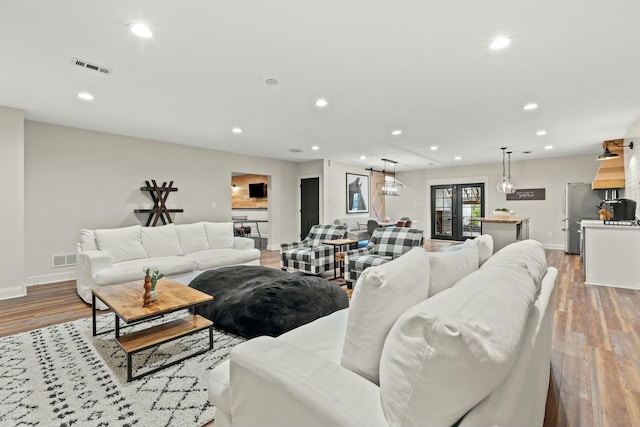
column 63, row 376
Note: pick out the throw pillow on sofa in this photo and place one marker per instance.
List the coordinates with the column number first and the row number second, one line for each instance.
column 526, row 252
column 484, row 243
column 219, row 234
column 447, row 353
column 485, row 247
column 382, row 293
column 449, row 267
column 122, row 244
column 161, row 241
column 88, row 240
column 192, row 237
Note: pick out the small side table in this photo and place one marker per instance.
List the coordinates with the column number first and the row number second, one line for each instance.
column 338, row 245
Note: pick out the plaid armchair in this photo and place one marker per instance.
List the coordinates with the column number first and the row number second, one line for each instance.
column 386, row 243
column 310, row 255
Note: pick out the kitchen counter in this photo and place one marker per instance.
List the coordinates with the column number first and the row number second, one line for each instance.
column 508, row 220
column 611, row 254
column 600, row 223
column 505, row 230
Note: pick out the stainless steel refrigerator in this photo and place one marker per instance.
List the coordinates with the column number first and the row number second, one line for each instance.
column 580, row 202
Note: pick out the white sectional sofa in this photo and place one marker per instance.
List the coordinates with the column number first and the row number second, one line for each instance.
column 430, row 339
column 180, row 252
column 354, row 230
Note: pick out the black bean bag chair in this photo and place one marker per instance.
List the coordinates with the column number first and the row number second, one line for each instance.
column 251, row 301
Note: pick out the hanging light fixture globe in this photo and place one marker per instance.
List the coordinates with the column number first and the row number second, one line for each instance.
column 503, row 186
column 511, row 187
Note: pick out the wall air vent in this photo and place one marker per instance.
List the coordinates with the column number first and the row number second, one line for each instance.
column 90, row 66
column 63, row 260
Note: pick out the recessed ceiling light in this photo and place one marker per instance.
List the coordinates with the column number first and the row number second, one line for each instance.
column 321, row 103
column 548, row 147
column 315, row 147
column 457, row 158
column 396, row 132
column 530, row 106
column 86, row 96
column 500, row 43
column 236, row 130
column 541, row 133
column 433, row 148
column 141, row 30
column 363, row 157
column 271, row 81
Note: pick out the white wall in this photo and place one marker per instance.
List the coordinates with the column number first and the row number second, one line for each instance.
column 335, row 181
column 12, row 212
column 76, row 178
column 545, row 215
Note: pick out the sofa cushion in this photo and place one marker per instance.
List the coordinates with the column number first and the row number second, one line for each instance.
column 529, row 253
column 219, row 234
column 485, row 247
column 128, row 271
column 192, row 237
column 395, row 241
column 122, row 244
column 88, row 240
column 214, row 258
column 161, row 241
column 484, row 244
column 445, row 354
column 381, row 295
column 322, row 337
column 449, row 267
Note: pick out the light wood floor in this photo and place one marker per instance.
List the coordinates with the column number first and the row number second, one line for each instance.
column 595, row 366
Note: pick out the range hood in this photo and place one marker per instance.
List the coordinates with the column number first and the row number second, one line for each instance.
column 611, row 172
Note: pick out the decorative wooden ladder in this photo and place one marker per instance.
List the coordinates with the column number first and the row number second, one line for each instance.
column 159, row 195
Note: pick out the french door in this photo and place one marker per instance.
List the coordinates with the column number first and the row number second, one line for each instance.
column 456, row 211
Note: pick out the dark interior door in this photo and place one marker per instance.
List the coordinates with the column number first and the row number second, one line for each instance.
column 309, row 204
column 456, row 211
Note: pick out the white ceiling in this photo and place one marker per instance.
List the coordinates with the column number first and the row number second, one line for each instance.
column 420, row 66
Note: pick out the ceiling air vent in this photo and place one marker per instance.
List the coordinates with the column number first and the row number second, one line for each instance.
column 85, row 64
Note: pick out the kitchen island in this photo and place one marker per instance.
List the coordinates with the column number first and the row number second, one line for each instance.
column 611, row 254
column 505, row 230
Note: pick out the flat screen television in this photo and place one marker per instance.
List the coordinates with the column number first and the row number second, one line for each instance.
column 258, row 190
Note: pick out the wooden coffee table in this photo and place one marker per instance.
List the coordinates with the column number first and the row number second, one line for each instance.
column 125, row 301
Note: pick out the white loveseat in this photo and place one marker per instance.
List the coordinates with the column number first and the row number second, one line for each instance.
column 180, row 252
column 475, row 348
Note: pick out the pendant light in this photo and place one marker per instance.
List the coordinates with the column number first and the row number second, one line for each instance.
column 503, row 186
column 608, row 155
column 389, row 187
column 511, row 188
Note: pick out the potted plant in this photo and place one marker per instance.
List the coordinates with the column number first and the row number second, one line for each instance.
column 152, row 275
column 502, row 212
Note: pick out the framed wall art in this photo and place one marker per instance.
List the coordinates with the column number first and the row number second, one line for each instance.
column 357, row 193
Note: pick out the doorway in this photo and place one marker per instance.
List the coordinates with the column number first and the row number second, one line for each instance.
column 456, row 210
column 309, row 204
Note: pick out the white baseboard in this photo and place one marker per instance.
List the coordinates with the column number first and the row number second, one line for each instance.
column 273, row 247
column 50, row 278
column 13, row 292
column 554, row 246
